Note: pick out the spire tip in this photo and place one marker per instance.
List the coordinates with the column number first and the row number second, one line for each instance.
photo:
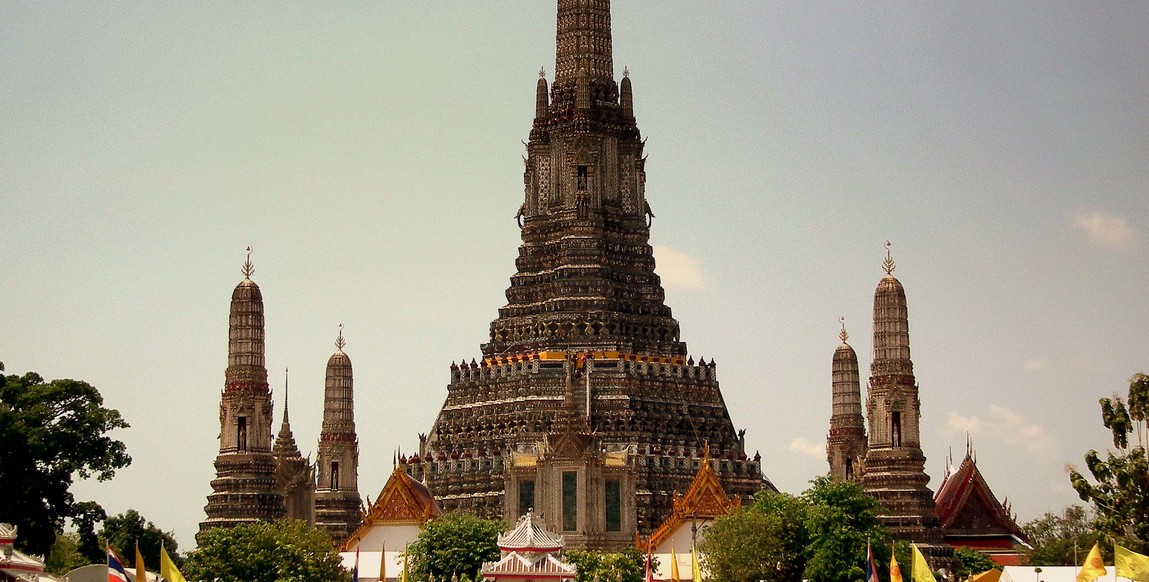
column 248, row 268
column 845, row 335
column 339, row 341
column 889, row 264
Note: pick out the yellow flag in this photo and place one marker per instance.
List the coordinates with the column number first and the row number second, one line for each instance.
column 673, row 565
column 921, row 570
column 695, row 568
column 168, row 568
column 404, row 578
column 383, row 563
column 1130, row 564
column 141, row 571
column 895, row 570
column 1093, row 566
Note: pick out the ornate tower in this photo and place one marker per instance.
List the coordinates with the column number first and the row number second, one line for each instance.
column 846, row 441
column 585, row 302
column 294, row 475
column 338, row 508
column 244, row 490
column 895, row 466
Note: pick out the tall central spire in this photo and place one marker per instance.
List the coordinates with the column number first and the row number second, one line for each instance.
column 582, row 41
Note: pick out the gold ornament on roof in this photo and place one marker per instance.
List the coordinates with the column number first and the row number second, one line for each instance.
column 542, row 72
column 888, row 264
column 248, row 268
column 845, row 335
column 339, row 341
column 625, row 71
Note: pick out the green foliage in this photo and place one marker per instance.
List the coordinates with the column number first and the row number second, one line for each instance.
column 820, row 536
column 765, row 541
column 123, row 532
column 87, row 513
column 455, row 543
column 51, row 432
column 284, row 551
column 970, row 562
column 1119, row 490
column 1061, row 540
column 840, row 519
column 65, row 555
column 629, row 565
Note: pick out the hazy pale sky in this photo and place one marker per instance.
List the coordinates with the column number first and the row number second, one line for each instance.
column 371, row 153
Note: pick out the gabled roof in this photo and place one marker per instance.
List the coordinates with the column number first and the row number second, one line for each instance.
column 964, row 495
column 530, row 535
column 705, row 499
column 403, row 500
column 514, row 565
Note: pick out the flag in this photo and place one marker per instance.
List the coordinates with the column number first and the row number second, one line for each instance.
column 168, row 568
column 355, row 570
column 920, row 571
column 871, row 568
column 673, row 566
column 696, row 576
column 116, row 571
column 383, row 563
column 404, row 577
column 649, row 571
column 895, row 570
column 141, row 571
column 1093, row 566
column 1130, row 564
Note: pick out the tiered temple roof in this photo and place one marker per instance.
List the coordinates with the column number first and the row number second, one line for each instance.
column 528, row 553
column 705, row 500
column 403, row 501
column 972, row 517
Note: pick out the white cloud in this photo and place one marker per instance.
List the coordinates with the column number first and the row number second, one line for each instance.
column 677, row 269
column 803, row 446
column 1003, row 425
column 1103, row 230
column 963, row 424
column 1035, row 364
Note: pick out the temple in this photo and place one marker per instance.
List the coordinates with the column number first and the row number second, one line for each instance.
column 972, row 517
column 585, row 337
column 888, row 460
column 245, row 489
column 895, row 465
column 258, row 480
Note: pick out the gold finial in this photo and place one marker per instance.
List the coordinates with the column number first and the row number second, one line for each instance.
column 339, row 341
column 888, row 264
column 248, row 268
column 845, row 335
column 625, row 71
column 542, row 72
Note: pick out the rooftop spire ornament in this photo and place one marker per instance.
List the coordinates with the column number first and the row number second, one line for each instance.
column 888, row 264
column 843, row 334
column 339, row 341
column 542, row 72
column 248, row 268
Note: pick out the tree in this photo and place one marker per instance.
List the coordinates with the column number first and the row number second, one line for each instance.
column 628, row 565
column 970, row 562
column 1119, row 490
column 65, row 555
column 283, row 551
column 455, row 543
column 1061, row 540
column 123, row 532
column 766, row 541
column 841, row 518
column 51, row 432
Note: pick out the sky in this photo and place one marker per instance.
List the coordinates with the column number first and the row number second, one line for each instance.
column 370, row 153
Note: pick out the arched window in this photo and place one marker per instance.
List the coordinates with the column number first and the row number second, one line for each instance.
column 335, row 474
column 896, row 430
column 241, row 434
